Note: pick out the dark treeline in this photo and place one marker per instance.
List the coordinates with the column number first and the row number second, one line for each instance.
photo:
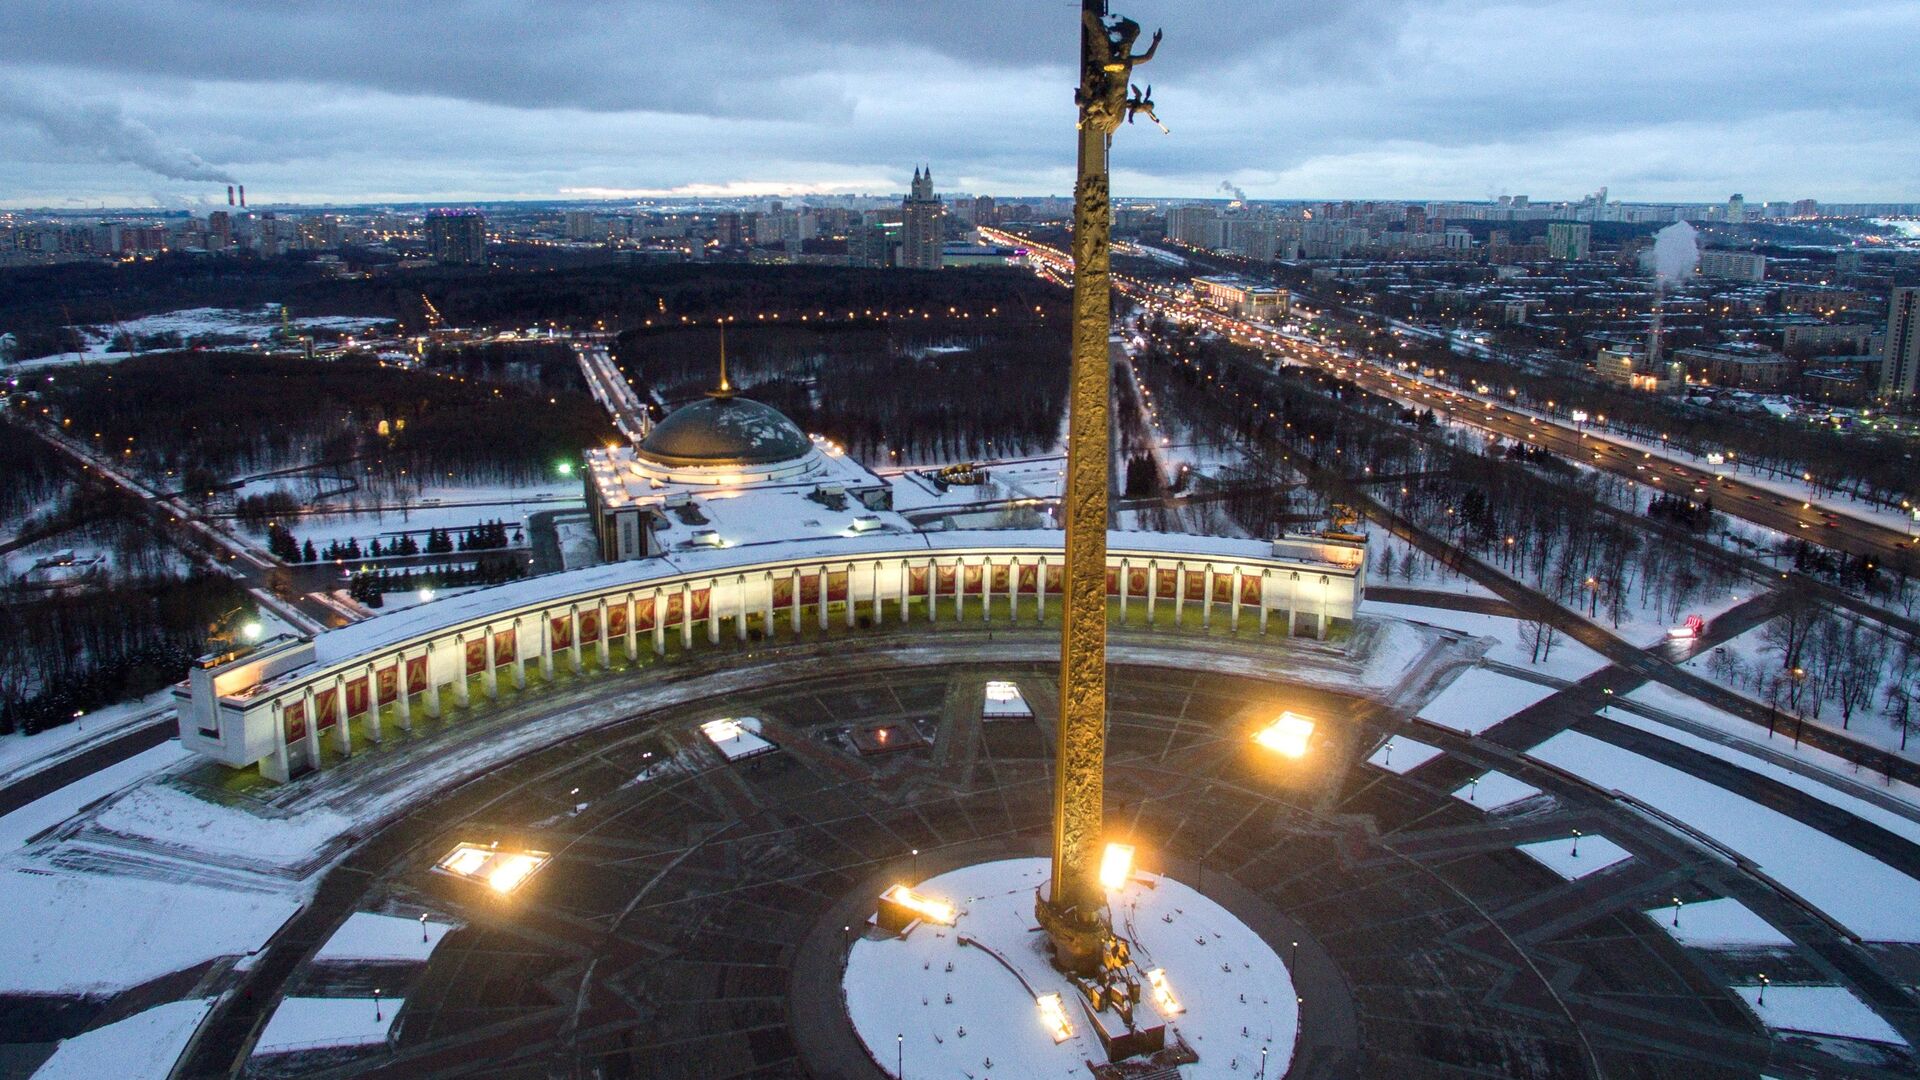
column 924, row 390
column 549, row 365
column 30, row 472
column 71, row 653
column 35, row 302
column 195, row 417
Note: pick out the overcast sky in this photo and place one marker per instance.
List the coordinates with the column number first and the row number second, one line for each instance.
column 145, row 101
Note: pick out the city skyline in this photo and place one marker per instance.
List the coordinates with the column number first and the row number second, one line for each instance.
column 128, row 105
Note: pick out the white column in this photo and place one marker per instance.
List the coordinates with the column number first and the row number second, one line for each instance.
column 633, row 629
column 1180, row 594
column 600, row 644
column 766, row 624
column 875, row 570
column 519, row 669
column 659, row 623
column 340, row 730
column 1233, row 623
column 849, row 615
column 1325, row 588
column 403, row 701
column 433, row 686
column 280, row 765
column 1124, row 567
column 313, row 728
column 1265, row 583
column 713, row 610
column 933, row 590
column 740, row 607
column 1206, row 597
column 1040, row 591
column 986, row 589
column 1153, row 588
column 462, row 690
column 686, row 616
column 793, row 614
column 374, row 733
column 490, row 681
column 546, row 645
column 573, row 637
column 820, row 614
column 1293, row 604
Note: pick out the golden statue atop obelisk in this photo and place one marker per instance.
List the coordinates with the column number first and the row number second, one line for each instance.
column 1073, row 911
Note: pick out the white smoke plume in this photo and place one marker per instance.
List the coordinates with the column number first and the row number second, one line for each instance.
column 100, row 126
column 1675, row 254
column 1234, row 189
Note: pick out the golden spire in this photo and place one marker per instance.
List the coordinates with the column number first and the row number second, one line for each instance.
column 725, row 389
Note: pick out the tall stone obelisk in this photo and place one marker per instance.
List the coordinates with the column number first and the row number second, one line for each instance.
column 1073, row 910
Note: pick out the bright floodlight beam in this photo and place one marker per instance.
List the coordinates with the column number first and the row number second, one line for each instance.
column 1116, row 865
column 1288, row 735
column 1054, row 1016
column 1163, row 998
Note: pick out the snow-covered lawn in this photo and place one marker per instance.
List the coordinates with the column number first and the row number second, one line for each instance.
column 1383, row 548
column 1868, row 897
column 367, row 936
column 1568, row 660
column 1748, row 663
column 20, row 754
column 1819, row 1010
column 78, row 933
column 1402, row 755
column 57, row 806
column 1492, row 790
column 958, row 1008
column 222, row 326
column 1898, row 824
column 143, row 1045
column 312, row 1023
column 454, row 509
column 1718, row 924
column 1479, row 699
column 169, row 817
column 1576, row 857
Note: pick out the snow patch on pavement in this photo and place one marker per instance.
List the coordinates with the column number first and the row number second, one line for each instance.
column 1479, row 699
column 143, row 1045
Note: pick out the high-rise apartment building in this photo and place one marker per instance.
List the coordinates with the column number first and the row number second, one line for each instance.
column 984, row 212
column 219, row 231
column 1900, row 370
column 1196, row 226
column 1736, row 208
column 1568, row 241
column 920, row 234
column 457, row 237
column 1733, row 265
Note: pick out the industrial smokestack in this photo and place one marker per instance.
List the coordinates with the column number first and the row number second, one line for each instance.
column 243, row 196
column 229, row 194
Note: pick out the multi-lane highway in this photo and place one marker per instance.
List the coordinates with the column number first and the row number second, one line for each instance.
column 1801, row 517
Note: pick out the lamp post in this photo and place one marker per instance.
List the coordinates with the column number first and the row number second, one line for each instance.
column 1676, row 911
column 1576, row 843
column 1762, row 999
column 376, row 1005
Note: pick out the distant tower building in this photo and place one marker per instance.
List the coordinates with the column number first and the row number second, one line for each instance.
column 1736, row 208
column 219, row 230
column 920, row 239
column 1900, row 370
column 457, row 237
column 984, row 212
column 1567, row 240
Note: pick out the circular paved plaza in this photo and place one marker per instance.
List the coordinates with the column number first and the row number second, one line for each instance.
column 689, row 923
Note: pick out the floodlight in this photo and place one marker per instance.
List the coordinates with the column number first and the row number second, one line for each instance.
column 1287, row 735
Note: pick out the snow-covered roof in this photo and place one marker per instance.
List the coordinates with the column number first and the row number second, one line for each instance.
column 503, row 601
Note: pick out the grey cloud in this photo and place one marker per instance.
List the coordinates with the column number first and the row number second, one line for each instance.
column 100, row 127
